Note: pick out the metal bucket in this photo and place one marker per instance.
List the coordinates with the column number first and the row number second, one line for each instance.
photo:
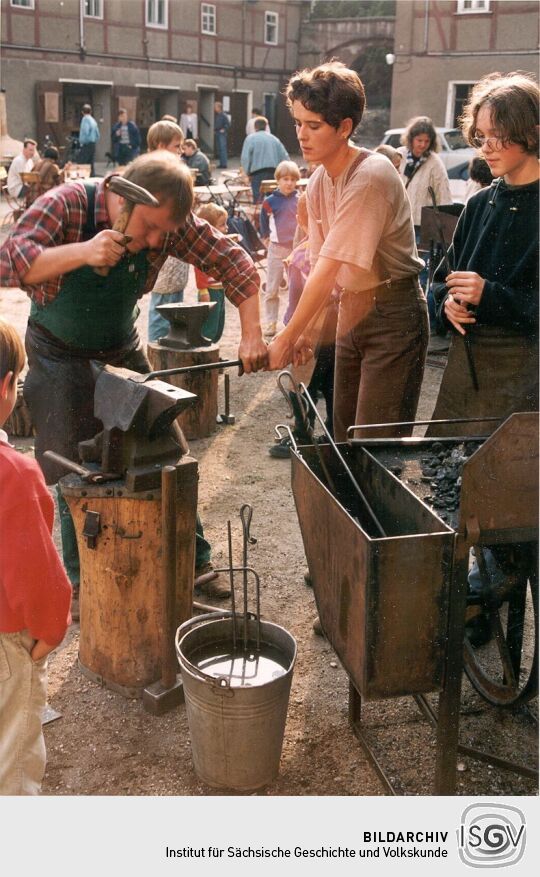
column 236, row 730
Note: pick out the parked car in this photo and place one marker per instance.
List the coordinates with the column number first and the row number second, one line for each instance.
column 453, row 148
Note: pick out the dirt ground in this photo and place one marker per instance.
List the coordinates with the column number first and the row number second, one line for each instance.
column 104, row 744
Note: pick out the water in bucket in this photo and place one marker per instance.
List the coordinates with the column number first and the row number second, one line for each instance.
column 243, row 667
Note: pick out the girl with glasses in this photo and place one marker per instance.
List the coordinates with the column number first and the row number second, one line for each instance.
column 488, row 294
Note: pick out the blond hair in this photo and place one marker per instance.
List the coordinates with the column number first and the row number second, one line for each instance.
column 163, row 133
column 287, row 169
column 211, row 212
column 12, row 357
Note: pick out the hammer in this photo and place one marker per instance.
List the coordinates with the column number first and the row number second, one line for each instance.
column 132, row 194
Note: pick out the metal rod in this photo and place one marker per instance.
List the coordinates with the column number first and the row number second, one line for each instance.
column 466, row 336
column 496, row 761
column 257, row 591
column 423, row 423
column 227, row 391
column 222, row 363
column 204, row 607
column 168, row 542
column 341, row 458
column 306, row 425
column 246, row 514
column 74, row 467
column 375, row 763
column 231, row 577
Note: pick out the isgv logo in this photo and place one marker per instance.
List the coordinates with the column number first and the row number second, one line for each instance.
column 491, row 835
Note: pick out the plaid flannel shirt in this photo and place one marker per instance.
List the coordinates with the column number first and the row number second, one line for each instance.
column 58, row 217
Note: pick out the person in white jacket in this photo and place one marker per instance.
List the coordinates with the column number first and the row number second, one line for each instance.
column 421, row 169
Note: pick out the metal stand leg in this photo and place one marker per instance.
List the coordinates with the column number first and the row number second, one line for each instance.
column 355, row 707
column 450, row 697
column 226, row 418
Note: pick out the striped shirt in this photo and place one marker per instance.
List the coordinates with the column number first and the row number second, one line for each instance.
column 59, row 216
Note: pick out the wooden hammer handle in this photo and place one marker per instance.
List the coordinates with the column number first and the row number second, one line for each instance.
column 120, row 225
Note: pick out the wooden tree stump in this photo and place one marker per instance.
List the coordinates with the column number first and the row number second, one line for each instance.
column 199, row 420
column 121, row 592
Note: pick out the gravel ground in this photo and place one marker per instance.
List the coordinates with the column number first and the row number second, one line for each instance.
column 105, row 744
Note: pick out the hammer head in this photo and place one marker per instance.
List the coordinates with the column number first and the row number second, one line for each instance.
column 131, row 191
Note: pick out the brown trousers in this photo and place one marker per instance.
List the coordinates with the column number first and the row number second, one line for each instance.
column 381, row 347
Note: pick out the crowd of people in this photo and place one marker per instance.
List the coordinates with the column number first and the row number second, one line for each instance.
column 353, row 269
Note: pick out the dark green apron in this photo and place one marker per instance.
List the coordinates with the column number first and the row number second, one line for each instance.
column 94, row 313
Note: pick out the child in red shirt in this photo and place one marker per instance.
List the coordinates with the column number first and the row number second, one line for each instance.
column 35, row 595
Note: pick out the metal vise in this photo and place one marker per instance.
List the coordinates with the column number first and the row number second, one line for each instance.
column 139, row 434
column 186, row 322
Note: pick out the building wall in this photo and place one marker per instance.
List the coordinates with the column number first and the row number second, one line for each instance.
column 450, row 47
column 169, row 65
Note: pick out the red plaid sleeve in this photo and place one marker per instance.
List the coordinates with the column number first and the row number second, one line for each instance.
column 56, row 218
column 201, row 245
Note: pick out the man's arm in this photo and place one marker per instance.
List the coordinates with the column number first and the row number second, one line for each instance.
column 214, row 254
column 293, row 343
column 104, row 249
column 252, row 350
column 45, row 243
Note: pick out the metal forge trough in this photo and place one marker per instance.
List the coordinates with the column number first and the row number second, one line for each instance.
column 393, row 606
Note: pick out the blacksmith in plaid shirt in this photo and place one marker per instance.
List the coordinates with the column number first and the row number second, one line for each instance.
column 47, row 244
column 78, row 315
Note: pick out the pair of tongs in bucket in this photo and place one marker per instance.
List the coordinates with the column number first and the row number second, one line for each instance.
column 306, row 403
column 246, row 514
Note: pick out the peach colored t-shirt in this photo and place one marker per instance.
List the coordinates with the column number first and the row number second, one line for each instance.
column 364, row 222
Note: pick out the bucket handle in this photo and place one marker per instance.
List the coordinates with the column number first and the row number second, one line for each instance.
column 219, row 684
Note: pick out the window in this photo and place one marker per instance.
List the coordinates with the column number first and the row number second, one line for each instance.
column 23, row 4
column 156, row 13
column 93, row 8
column 208, row 18
column 473, row 6
column 457, row 96
column 271, row 28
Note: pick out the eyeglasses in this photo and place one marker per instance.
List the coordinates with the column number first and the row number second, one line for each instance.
column 494, row 144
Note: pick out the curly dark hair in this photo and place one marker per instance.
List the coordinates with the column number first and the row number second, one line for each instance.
column 332, row 90
column 513, row 102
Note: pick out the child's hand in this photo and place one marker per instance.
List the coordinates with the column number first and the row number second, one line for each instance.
column 203, row 295
column 40, row 650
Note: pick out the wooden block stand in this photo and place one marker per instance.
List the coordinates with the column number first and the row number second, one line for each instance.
column 121, row 596
column 199, row 420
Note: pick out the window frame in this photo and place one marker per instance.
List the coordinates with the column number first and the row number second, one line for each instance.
column 205, row 11
column 99, row 15
column 271, row 19
column 475, row 8
column 155, row 24
column 30, row 8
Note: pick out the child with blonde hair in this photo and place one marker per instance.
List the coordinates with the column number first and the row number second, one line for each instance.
column 173, row 277
column 278, row 227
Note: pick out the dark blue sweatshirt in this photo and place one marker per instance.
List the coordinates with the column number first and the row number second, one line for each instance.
column 278, row 218
column 497, row 237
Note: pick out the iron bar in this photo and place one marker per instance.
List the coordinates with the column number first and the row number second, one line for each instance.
column 341, row 458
